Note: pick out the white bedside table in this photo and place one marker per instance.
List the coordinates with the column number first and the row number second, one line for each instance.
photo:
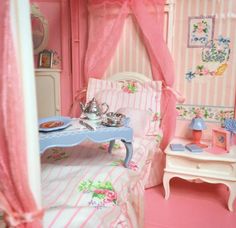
column 203, row 166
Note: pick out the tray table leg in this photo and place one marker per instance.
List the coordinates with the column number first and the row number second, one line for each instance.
column 129, row 153
column 111, row 144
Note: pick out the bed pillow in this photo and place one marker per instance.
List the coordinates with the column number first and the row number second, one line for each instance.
column 97, row 85
column 139, row 120
column 129, row 94
column 147, row 101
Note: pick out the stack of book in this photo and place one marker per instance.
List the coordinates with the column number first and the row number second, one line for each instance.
column 181, row 147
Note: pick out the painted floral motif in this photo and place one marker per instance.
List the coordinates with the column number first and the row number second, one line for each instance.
column 103, row 193
column 132, row 165
column 57, row 154
column 130, row 87
column 159, row 138
column 200, row 32
column 211, row 114
column 156, row 117
column 216, row 50
column 105, row 146
column 215, row 56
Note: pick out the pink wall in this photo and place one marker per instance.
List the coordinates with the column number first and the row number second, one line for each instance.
column 213, row 94
column 52, row 12
column 56, row 13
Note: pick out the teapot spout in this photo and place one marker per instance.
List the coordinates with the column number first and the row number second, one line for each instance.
column 82, row 107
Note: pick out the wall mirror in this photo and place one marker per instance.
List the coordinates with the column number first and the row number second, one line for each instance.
column 39, row 29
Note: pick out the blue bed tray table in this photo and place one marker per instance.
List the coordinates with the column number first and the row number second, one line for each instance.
column 77, row 133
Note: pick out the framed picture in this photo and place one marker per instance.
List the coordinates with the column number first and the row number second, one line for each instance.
column 220, row 141
column 200, row 30
column 45, row 59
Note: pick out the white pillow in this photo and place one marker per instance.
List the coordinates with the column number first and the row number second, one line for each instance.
column 139, row 120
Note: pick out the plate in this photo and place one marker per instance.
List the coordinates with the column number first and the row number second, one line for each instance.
column 54, row 123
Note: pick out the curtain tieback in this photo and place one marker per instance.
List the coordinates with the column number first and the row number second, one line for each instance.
column 16, row 219
column 179, row 97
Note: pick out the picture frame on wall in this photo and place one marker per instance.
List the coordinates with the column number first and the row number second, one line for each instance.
column 200, row 31
column 45, row 59
column 220, row 141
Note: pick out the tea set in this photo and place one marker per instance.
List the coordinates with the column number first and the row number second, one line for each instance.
column 97, row 112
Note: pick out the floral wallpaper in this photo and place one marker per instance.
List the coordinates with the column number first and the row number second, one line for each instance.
column 215, row 57
column 208, row 113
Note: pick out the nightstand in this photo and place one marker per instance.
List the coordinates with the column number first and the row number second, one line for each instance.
column 202, row 166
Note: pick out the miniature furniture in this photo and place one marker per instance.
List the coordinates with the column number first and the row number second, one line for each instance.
column 76, row 134
column 202, row 166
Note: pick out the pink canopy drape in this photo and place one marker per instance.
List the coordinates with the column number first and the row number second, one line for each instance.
column 106, row 21
column 16, row 200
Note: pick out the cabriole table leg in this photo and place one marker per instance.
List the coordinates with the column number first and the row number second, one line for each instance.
column 129, row 153
column 232, row 195
column 166, row 184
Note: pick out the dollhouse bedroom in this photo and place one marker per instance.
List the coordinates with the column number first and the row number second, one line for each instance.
column 118, row 113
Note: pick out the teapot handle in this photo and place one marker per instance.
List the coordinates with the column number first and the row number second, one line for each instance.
column 106, row 107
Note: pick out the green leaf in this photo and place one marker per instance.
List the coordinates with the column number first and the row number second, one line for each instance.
column 99, row 196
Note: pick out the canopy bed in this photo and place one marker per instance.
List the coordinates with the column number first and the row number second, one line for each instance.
column 90, row 188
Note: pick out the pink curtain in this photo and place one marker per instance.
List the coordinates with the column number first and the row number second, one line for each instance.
column 106, row 20
column 16, row 199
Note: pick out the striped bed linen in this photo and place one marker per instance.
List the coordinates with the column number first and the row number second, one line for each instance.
column 85, row 186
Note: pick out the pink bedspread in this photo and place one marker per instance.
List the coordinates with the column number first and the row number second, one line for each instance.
column 84, row 186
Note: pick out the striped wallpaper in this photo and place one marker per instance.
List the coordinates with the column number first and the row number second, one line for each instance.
column 131, row 53
column 212, row 92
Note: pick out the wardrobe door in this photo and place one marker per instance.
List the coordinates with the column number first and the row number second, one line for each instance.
column 48, row 92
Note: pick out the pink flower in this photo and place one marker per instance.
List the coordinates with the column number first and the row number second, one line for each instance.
column 126, row 89
column 155, row 117
column 198, row 112
column 200, row 27
column 55, row 156
column 104, row 146
column 205, row 71
column 100, row 191
column 110, row 195
column 133, row 166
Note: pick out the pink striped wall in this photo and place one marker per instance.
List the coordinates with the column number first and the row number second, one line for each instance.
column 131, row 54
column 213, row 91
column 214, row 94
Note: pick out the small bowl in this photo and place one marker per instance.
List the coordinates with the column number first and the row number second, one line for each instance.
column 114, row 118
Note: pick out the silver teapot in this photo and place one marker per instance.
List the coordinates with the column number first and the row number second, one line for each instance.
column 93, row 110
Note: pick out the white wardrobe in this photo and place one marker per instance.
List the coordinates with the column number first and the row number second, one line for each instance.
column 48, row 92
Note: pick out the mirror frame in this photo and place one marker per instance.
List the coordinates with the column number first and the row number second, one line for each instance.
column 35, row 12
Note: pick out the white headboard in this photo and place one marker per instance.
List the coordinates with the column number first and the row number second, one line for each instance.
column 123, row 76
